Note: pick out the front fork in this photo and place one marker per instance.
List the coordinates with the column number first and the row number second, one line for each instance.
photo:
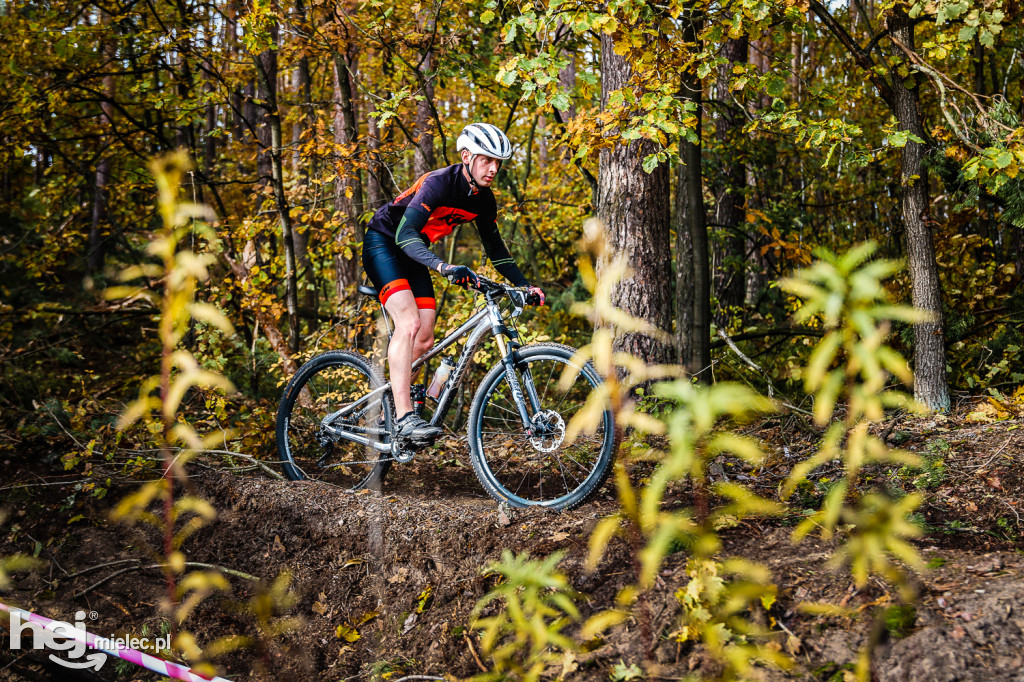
column 509, row 356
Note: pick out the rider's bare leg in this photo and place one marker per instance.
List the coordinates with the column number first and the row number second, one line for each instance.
column 425, row 336
column 414, row 334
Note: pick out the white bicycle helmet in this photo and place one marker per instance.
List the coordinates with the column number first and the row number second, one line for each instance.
column 483, row 138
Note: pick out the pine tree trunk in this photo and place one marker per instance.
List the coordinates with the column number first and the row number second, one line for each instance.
column 930, row 385
column 635, row 207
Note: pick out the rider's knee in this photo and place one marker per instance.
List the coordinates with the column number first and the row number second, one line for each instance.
column 425, row 336
column 408, row 327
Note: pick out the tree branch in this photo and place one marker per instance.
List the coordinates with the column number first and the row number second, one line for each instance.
column 860, row 56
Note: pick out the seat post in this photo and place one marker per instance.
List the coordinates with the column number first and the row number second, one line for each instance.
column 388, row 323
column 367, row 290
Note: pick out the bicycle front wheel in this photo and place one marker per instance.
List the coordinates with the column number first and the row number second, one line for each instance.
column 541, row 468
column 308, row 438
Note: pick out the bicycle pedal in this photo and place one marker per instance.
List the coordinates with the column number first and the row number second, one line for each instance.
column 404, row 456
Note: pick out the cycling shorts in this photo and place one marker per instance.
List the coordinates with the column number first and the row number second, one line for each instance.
column 391, row 270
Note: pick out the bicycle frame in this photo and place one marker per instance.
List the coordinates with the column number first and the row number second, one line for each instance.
column 488, row 319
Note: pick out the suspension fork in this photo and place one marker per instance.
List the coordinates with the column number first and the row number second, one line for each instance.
column 509, row 359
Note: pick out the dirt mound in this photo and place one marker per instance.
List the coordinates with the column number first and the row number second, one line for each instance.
column 975, row 635
column 366, row 560
column 404, row 572
column 386, row 583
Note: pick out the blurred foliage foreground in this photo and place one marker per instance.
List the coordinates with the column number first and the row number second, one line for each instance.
column 727, row 603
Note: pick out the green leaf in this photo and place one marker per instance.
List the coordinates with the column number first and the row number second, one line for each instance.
column 966, row 34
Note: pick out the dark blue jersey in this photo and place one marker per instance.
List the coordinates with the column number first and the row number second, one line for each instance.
column 433, row 207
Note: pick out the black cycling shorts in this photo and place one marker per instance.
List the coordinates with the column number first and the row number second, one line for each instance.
column 391, row 270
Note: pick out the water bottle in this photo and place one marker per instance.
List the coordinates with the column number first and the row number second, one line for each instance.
column 437, row 384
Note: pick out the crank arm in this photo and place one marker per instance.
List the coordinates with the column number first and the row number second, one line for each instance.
column 335, row 434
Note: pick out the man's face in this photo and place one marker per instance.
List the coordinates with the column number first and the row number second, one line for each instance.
column 483, row 168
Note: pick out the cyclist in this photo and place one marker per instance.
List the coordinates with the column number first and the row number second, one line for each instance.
column 398, row 262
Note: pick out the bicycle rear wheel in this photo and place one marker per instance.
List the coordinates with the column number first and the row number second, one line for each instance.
column 540, row 469
column 311, row 449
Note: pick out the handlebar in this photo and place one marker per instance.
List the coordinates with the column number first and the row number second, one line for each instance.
column 490, row 289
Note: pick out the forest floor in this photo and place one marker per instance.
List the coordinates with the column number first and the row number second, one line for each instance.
column 399, row 573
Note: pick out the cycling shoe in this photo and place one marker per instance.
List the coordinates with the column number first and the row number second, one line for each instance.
column 412, row 431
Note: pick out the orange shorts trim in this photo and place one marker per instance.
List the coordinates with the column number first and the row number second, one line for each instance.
column 391, row 288
column 426, row 303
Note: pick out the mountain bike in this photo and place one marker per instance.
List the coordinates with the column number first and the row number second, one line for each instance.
column 336, row 418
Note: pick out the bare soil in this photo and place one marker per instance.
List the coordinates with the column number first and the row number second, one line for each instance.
column 399, row 573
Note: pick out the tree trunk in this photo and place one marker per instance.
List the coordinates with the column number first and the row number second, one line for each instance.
column 266, row 69
column 757, row 263
column 731, row 245
column 301, row 122
column 567, row 76
column 348, row 195
column 424, row 161
column 105, row 167
column 209, row 141
column 930, row 385
column 266, row 87
column 542, row 149
column 635, row 207
column 376, row 181
column 306, row 276
column 693, row 285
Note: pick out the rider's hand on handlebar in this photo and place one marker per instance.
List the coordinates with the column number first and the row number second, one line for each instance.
column 460, row 274
column 534, row 295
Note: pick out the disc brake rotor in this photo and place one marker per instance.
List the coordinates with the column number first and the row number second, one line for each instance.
column 548, row 430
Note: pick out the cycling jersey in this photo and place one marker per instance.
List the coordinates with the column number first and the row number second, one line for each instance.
column 431, row 209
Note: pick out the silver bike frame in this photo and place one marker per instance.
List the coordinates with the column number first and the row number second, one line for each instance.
column 486, row 319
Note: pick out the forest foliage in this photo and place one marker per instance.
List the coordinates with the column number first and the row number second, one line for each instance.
column 303, row 118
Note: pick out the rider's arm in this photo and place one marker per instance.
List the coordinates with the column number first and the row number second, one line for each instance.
column 410, row 239
column 497, row 252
